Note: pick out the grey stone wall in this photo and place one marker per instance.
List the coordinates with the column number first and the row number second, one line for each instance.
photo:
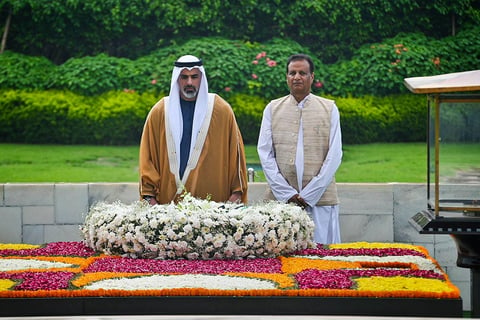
column 41, row 213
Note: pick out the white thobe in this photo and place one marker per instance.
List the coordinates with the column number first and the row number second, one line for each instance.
column 326, row 218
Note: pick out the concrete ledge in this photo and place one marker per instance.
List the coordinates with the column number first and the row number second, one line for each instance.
column 38, row 213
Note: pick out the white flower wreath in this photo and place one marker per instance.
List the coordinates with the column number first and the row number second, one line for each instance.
column 198, row 229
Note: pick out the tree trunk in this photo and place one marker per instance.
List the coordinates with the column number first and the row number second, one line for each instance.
column 453, row 25
column 5, row 32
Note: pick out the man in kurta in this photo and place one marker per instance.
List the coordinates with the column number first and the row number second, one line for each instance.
column 191, row 143
column 300, row 148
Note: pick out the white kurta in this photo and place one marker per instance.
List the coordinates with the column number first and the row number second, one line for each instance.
column 326, row 218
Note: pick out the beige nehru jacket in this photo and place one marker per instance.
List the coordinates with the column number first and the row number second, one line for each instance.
column 316, row 117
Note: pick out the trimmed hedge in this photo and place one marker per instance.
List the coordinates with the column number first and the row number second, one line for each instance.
column 248, row 112
column 396, row 118
column 114, row 118
column 117, row 117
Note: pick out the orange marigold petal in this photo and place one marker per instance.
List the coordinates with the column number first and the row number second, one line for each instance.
column 293, row 265
column 87, row 278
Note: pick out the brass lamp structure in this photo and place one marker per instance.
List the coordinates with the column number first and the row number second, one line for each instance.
column 453, row 171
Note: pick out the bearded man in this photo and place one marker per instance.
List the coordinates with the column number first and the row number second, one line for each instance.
column 191, row 143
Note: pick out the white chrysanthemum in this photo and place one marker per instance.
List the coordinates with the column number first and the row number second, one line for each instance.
column 218, row 240
column 198, row 241
column 249, row 239
column 25, row 264
column 208, row 238
column 213, row 229
column 171, row 234
column 421, row 262
column 187, row 228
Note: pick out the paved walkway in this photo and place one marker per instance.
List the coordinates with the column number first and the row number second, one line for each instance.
column 316, row 317
column 469, row 177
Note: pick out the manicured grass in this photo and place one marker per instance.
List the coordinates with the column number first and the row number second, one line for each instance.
column 398, row 162
column 68, row 163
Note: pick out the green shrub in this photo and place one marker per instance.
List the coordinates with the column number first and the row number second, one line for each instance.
column 406, row 118
column 248, row 111
column 380, row 68
column 267, row 67
column 120, row 117
column 36, row 117
column 231, row 66
column 460, row 52
column 359, row 122
column 117, row 117
column 99, row 74
column 18, row 71
column 258, row 69
column 396, row 118
column 131, row 28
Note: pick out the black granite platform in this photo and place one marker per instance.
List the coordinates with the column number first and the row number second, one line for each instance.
column 201, row 305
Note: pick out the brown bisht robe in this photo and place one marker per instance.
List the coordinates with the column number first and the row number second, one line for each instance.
column 221, row 166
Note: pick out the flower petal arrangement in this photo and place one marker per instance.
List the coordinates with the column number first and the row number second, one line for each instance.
column 164, row 257
column 360, row 269
column 197, row 229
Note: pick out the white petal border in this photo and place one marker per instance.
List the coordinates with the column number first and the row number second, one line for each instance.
column 156, row 282
column 25, row 264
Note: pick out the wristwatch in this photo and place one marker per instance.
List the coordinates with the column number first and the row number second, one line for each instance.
column 148, row 198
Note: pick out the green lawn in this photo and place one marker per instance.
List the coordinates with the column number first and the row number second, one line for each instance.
column 68, row 163
column 398, row 162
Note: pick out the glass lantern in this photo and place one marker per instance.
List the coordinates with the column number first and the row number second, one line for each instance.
column 453, row 154
column 453, row 142
column 453, row 167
